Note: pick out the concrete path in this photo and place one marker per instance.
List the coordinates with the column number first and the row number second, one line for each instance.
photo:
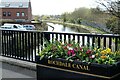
column 17, row 62
column 16, row 69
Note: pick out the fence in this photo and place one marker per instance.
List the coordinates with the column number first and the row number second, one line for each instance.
column 22, row 45
column 25, row 45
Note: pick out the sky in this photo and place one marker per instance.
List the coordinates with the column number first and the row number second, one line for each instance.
column 55, row 7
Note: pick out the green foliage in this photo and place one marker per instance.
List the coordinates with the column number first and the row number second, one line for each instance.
column 112, row 23
column 79, row 14
column 64, row 17
column 45, row 17
column 73, row 51
column 71, row 21
column 96, row 10
column 36, row 18
column 79, row 21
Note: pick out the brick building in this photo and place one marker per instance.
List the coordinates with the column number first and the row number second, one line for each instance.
column 15, row 10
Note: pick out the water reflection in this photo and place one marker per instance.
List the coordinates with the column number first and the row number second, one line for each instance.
column 63, row 29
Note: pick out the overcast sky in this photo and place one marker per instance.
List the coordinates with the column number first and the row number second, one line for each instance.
column 54, row 7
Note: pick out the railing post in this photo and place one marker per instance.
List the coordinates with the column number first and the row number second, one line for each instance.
column 47, row 36
column 0, row 42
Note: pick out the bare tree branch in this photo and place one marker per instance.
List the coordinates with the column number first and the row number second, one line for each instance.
column 111, row 6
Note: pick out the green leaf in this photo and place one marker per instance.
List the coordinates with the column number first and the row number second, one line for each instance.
column 68, row 57
column 71, row 60
column 41, row 57
column 87, row 59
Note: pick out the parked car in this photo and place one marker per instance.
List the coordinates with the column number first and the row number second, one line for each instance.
column 13, row 26
column 5, row 27
column 29, row 27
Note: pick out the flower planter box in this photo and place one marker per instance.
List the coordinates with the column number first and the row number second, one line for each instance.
column 66, row 69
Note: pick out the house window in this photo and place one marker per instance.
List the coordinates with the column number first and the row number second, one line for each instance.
column 17, row 14
column 23, row 14
column 9, row 14
column 4, row 14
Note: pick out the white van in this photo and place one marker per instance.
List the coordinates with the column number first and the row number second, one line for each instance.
column 13, row 26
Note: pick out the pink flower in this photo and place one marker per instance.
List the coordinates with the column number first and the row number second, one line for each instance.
column 69, row 52
column 72, row 51
column 73, row 54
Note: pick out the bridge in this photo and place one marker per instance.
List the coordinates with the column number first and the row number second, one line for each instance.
column 23, row 46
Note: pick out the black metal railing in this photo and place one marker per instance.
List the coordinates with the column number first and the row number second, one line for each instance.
column 25, row 45
column 22, row 45
column 95, row 40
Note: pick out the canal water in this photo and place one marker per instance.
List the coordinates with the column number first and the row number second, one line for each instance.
column 61, row 28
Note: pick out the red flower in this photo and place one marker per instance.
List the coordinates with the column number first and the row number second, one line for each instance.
column 76, row 49
column 65, row 47
column 69, row 45
column 71, row 52
column 80, row 48
column 88, row 51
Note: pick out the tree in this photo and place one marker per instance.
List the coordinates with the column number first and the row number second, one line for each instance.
column 64, row 17
column 79, row 21
column 97, row 10
column 111, row 23
column 113, row 8
column 45, row 17
column 36, row 17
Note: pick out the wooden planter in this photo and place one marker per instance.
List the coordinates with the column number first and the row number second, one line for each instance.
column 60, row 68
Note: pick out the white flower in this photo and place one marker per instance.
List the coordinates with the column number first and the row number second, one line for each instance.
column 93, row 56
column 69, row 48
